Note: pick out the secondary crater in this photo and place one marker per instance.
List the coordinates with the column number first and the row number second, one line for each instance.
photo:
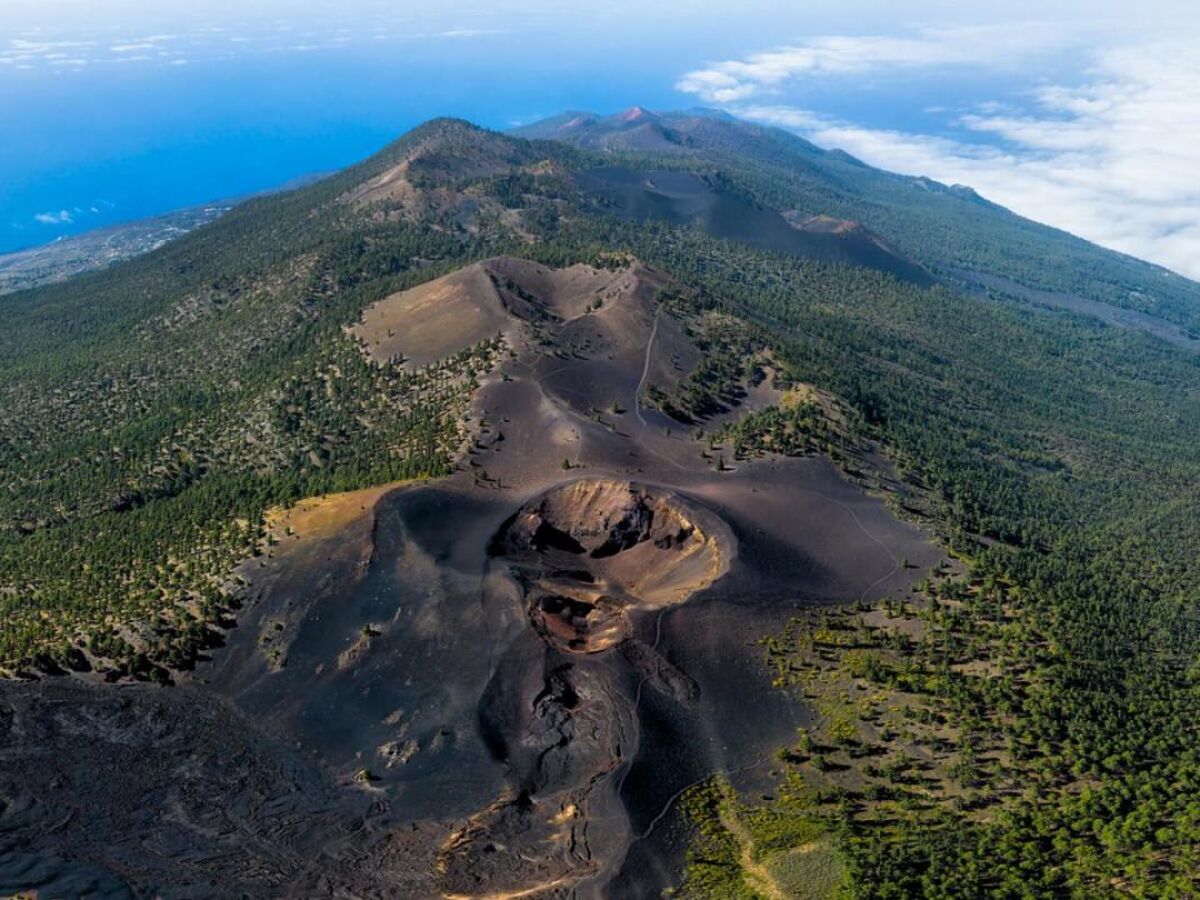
column 589, row 551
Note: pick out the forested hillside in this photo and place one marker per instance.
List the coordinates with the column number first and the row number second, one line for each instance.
column 150, row 414
column 946, row 227
column 155, row 410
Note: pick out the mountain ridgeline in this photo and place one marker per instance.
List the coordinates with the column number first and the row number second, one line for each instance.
column 1016, row 719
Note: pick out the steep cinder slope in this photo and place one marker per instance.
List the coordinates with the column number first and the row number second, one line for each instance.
column 687, row 198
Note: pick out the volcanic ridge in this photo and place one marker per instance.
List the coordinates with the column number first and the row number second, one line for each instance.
column 502, row 680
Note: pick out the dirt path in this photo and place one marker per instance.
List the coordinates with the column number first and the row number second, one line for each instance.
column 757, row 876
column 637, row 396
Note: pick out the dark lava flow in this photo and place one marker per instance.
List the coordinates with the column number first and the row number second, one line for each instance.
column 576, row 564
column 496, row 684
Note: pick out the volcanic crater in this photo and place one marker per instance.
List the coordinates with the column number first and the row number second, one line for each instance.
column 494, row 684
column 589, row 551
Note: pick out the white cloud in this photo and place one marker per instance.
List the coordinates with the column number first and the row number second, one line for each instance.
column 1113, row 159
column 769, row 72
column 469, row 32
column 327, row 26
column 62, row 217
column 42, row 47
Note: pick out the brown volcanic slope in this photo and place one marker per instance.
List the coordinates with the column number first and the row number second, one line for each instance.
column 492, row 685
column 688, row 198
column 697, row 199
column 438, row 319
column 433, row 321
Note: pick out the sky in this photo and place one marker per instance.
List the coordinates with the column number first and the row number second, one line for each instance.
column 1085, row 116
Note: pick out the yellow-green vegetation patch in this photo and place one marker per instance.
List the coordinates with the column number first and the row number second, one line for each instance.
column 782, row 849
column 896, row 693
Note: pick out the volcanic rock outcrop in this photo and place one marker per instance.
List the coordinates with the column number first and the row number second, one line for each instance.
column 582, row 559
column 589, row 550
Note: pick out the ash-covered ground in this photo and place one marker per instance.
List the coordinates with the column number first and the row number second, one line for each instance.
column 492, row 685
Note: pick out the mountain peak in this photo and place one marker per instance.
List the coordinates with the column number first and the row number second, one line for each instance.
column 580, row 121
column 635, row 114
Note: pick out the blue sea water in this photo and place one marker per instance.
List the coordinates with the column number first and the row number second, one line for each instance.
column 83, row 146
column 86, row 152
